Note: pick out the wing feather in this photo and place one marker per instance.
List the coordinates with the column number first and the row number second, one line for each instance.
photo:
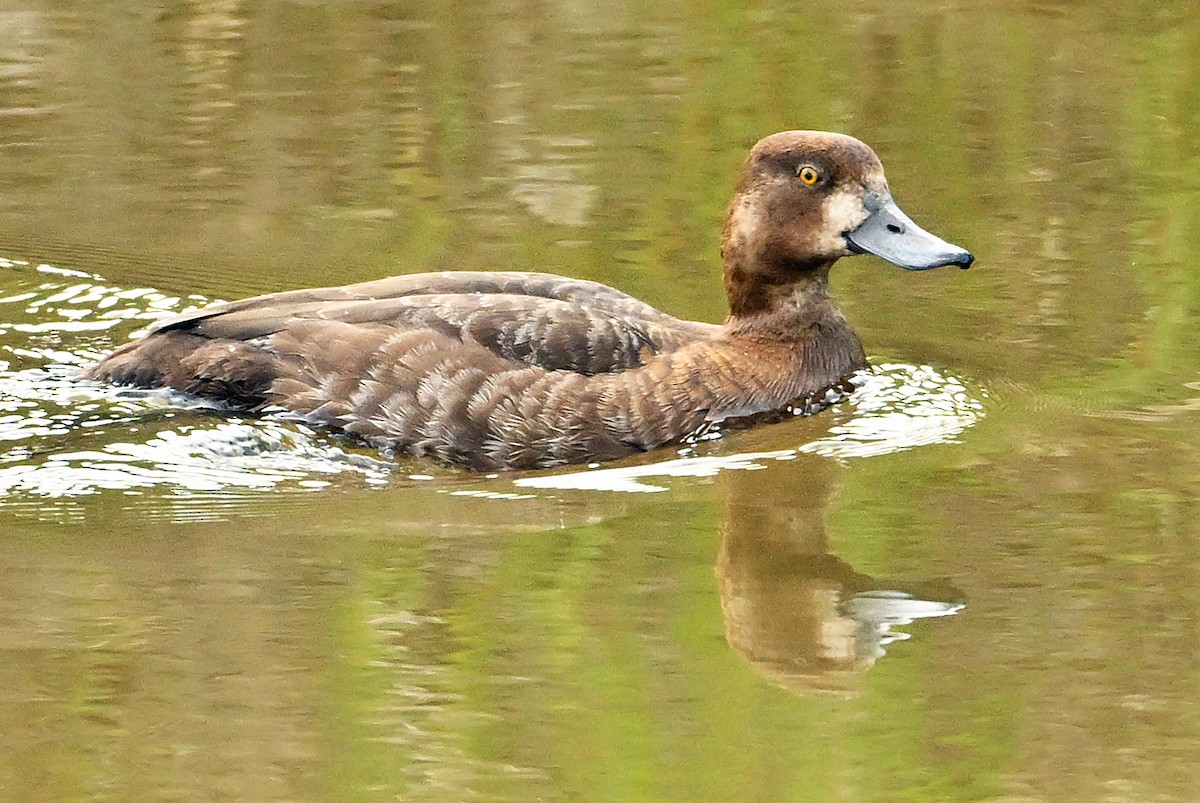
column 535, row 319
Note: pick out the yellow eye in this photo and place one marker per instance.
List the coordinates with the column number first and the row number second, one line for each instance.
column 809, row 175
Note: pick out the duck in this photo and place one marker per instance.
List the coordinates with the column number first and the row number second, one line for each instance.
column 513, row 370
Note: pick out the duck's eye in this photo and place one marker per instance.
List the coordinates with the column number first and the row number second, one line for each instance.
column 809, row 175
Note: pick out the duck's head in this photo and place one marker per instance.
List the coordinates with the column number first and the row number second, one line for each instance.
column 806, row 198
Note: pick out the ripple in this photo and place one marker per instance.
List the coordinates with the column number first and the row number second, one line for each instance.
column 901, row 407
column 227, row 456
column 51, row 301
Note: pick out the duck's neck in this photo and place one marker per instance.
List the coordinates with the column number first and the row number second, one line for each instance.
column 790, row 308
column 785, row 298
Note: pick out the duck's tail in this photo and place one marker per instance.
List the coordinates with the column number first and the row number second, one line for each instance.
column 232, row 372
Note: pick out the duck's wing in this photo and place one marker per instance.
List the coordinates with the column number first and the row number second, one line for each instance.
column 535, row 319
column 596, row 296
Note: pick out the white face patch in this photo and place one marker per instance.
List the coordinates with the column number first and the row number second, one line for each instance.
column 842, row 211
column 744, row 221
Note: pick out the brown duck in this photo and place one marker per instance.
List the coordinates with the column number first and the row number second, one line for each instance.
column 502, row 370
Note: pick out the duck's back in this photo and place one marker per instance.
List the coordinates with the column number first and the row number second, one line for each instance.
column 433, row 364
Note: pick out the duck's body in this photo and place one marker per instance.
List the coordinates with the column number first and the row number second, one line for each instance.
column 520, row 370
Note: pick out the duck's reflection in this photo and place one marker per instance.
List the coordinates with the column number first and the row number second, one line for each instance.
column 801, row 616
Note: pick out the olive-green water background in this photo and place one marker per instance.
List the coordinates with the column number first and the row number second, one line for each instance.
column 451, row 639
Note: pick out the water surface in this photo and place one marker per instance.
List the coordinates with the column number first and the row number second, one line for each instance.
column 975, row 579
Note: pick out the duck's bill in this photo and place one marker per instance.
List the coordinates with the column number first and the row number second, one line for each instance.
column 890, row 234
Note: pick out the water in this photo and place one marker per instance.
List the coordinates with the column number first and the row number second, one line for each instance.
column 974, row 579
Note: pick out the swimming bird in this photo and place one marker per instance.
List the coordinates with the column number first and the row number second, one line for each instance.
column 515, row 370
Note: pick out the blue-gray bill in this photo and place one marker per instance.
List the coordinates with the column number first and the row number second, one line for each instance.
column 890, row 234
